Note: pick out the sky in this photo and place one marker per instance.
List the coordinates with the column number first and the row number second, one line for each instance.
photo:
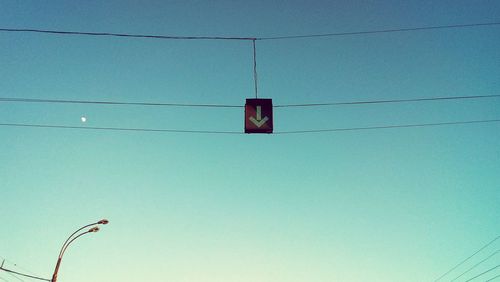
column 400, row 204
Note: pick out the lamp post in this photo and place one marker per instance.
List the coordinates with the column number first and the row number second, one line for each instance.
column 72, row 238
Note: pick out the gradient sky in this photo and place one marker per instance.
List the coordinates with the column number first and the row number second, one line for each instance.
column 378, row 205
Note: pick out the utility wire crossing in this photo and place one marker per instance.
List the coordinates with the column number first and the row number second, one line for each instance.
column 122, row 103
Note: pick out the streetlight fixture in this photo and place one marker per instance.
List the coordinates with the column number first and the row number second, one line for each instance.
column 72, row 238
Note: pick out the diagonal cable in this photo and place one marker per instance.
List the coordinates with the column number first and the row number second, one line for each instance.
column 474, row 266
column 462, row 262
column 483, row 273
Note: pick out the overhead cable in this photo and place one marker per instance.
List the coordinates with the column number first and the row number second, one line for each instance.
column 476, row 265
column 124, row 129
column 15, row 276
column 386, row 101
column 483, row 273
column 493, row 278
column 173, row 37
column 388, row 126
column 110, row 34
column 469, row 257
column 25, row 275
column 68, row 101
column 4, row 260
column 57, row 101
column 119, row 128
column 378, row 31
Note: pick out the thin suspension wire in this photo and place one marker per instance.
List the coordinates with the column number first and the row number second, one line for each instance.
column 22, row 274
column 14, row 276
column 110, row 34
column 168, row 37
column 387, row 126
column 378, row 31
column 474, row 266
column 17, row 266
column 493, row 278
column 34, row 100
column 238, row 132
column 255, row 67
column 386, row 101
column 483, row 273
column 462, row 262
column 119, row 128
column 56, row 101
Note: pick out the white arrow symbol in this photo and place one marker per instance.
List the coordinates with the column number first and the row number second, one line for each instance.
column 258, row 120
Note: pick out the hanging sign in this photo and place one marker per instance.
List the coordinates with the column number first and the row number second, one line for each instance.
column 259, row 116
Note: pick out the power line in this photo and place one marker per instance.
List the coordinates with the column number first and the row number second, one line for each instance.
column 24, row 269
column 386, row 101
column 240, row 133
column 378, row 31
column 170, row 37
column 110, row 34
column 57, row 101
column 14, row 276
column 474, row 266
column 119, row 128
column 122, row 103
column 483, row 273
column 493, row 278
column 462, row 262
column 387, row 126
column 13, row 273
column 22, row 274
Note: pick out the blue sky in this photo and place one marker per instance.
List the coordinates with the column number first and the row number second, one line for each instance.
column 377, row 205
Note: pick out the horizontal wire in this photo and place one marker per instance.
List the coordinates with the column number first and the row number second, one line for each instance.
column 32, row 100
column 169, row 37
column 110, row 34
column 378, row 31
column 388, row 126
column 238, row 132
column 387, row 101
column 56, row 101
column 119, row 128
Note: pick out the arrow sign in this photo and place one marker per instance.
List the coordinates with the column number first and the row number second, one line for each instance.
column 258, row 120
column 258, row 116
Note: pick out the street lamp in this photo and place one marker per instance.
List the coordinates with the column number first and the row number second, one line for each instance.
column 72, row 238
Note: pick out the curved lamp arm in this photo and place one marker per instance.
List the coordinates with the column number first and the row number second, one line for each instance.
column 102, row 221
column 91, row 230
column 70, row 240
